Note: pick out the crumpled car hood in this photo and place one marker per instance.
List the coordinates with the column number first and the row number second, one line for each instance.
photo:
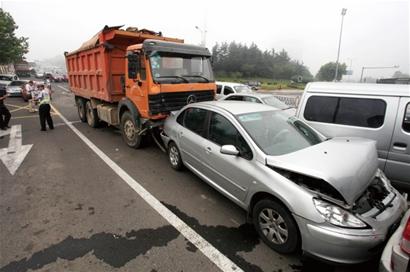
column 347, row 164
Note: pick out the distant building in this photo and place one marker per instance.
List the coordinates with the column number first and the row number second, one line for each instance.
column 402, row 80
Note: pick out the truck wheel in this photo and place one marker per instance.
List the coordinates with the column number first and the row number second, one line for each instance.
column 81, row 109
column 129, row 131
column 92, row 116
column 276, row 226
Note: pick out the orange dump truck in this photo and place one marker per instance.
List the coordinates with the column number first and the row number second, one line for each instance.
column 134, row 78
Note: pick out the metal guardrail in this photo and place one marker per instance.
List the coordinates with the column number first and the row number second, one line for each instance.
column 290, row 100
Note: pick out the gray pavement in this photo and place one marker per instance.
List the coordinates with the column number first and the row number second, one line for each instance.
column 66, row 210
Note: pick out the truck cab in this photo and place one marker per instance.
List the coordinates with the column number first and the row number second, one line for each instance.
column 133, row 79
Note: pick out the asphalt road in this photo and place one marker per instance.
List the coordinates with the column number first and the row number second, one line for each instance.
column 65, row 210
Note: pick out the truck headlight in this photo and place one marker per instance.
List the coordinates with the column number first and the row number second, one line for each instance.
column 337, row 216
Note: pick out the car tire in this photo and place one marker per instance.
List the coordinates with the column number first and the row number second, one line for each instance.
column 276, row 226
column 81, row 109
column 174, row 157
column 129, row 131
column 92, row 115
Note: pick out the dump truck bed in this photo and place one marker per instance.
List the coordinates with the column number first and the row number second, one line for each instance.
column 96, row 69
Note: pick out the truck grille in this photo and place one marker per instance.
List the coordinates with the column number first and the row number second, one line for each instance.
column 166, row 102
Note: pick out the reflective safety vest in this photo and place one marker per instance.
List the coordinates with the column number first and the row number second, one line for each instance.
column 44, row 97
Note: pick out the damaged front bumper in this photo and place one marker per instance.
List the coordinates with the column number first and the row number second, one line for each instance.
column 348, row 246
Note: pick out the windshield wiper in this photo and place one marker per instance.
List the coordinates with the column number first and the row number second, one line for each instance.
column 181, row 77
column 207, row 80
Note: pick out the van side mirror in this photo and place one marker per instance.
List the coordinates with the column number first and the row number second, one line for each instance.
column 229, row 150
column 133, row 65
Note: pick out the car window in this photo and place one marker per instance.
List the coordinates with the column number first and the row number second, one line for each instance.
column 194, row 120
column 228, row 90
column 218, row 89
column 251, row 99
column 180, row 118
column 362, row 112
column 235, row 98
column 242, row 89
column 406, row 119
column 223, row 132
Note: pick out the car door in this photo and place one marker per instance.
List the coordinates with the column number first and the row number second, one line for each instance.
column 398, row 160
column 190, row 136
column 231, row 174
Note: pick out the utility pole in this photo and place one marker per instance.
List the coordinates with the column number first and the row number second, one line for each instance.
column 340, row 41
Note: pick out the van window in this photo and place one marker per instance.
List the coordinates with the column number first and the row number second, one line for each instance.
column 361, row 112
column 228, row 90
column 406, row 119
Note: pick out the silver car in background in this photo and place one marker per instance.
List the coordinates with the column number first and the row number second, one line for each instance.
column 300, row 189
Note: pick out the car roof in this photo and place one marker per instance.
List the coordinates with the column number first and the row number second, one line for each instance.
column 358, row 88
column 235, row 107
column 230, row 84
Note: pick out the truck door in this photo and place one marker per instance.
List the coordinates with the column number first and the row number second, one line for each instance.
column 398, row 160
column 136, row 83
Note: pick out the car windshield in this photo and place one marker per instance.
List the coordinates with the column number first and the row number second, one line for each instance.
column 17, row 83
column 273, row 101
column 6, row 78
column 242, row 89
column 180, row 68
column 277, row 133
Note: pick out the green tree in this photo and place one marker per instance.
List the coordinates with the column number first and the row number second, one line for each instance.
column 12, row 48
column 328, row 70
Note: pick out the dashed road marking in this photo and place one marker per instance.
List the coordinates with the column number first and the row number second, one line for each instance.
column 64, row 89
column 213, row 254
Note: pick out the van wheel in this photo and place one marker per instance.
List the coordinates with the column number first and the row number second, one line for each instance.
column 92, row 115
column 81, row 109
column 174, row 156
column 129, row 131
column 276, row 226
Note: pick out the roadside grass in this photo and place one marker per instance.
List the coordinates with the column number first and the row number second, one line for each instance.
column 266, row 83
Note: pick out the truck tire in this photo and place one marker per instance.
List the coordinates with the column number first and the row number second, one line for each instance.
column 129, row 131
column 81, row 109
column 92, row 115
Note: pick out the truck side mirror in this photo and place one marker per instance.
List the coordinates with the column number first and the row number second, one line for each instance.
column 133, row 65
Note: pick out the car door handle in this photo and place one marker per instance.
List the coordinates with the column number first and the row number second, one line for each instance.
column 400, row 146
column 208, row 150
column 180, row 134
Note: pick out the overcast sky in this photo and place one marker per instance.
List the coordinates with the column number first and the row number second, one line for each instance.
column 375, row 33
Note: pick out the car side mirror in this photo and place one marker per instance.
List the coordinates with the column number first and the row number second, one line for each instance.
column 229, row 150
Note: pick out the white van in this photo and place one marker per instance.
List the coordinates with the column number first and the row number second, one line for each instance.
column 376, row 111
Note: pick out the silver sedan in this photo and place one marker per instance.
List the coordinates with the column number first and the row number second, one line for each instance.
column 300, row 189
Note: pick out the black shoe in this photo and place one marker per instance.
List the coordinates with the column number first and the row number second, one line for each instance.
column 52, row 128
column 8, row 126
column 3, row 128
column 43, row 129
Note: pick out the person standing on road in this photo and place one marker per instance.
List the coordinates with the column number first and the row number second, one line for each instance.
column 29, row 88
column 4, row 112
column 44, row 99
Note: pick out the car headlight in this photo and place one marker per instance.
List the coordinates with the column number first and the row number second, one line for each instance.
column 337, row 216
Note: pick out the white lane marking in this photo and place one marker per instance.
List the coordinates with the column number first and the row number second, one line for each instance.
column 14, row 154
column 64, row 124
column 213, row 254
column 64, row 89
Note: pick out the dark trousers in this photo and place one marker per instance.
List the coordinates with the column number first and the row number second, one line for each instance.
column 4, row 116
column 44, row 112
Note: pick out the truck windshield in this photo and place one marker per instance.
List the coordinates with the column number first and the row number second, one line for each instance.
column 179, row 68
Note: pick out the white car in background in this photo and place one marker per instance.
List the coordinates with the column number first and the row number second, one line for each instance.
column 225, row 88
